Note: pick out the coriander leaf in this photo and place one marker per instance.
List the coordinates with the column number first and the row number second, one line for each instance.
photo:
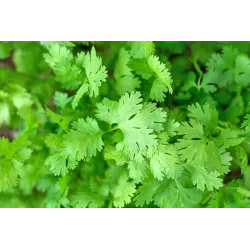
column 61, row 99
column 221, row 67
column 229, row 138
column 47, row 44
column 4, row 113
column 84, row 199
column 137, row 170
column 206, row 115
column 202, row 178
column 123, row 191
column 141, row 49
column 96, row 73
column 172, row 195
column 145, row 193
column 79, row 94
column 61, row 60
column 166, row 164
column 191, row 130
column 163, row 80
column 84, row 140
column 80, row 143
column 62, row 121
column 242, row 70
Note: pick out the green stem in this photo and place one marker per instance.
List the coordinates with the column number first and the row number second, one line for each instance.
column 197, row 67
column 206, row 199
column 110, row 204
column 200, row 73
column 110, row 130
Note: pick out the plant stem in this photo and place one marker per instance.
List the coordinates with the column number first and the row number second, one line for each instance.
column 110, row 204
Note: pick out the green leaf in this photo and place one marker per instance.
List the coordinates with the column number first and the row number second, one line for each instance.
column 127, row 84
column 58, row 163
column 203, row 178
column 137, row 134
column 83, row 199
column 145, row 193
column 5, row 49
column 229, row 138
column 20, row 97
column 4, row 113
column 141, row 49
column 61, row 99
column 242, row 70
column 80, row 143
column 137, row 170
column 47, row 44
column 79, row 94
column 12, row 157
column 61, row 60
column 96, row 73
column 121, row 66
column 242, row 157
column 246, row 122
column 84, row 140
column 173, row 196
column 221, row 67
column 152, row 116
column 163, row 81
column 123, row 191
column 191, row 130
column 141, row 68
column 166, row 163
column 206, row 115
column 62, row 121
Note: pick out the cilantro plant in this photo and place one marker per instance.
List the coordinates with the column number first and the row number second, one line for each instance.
column 124, row 124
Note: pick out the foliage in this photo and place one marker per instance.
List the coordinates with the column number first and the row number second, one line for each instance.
column 124, row 124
